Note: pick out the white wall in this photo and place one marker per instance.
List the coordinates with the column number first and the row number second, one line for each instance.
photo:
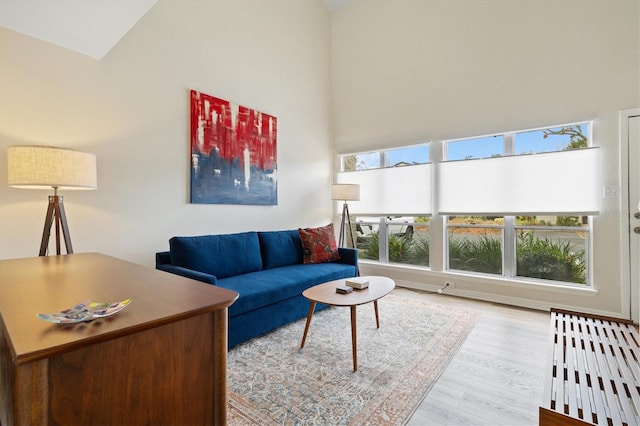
column 418, row 70
column 412, row 70
column 399, row 72
column 132, row 110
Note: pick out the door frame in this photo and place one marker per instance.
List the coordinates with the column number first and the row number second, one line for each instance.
column 630, row 289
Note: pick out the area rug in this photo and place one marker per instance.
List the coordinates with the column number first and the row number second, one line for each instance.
column 271, row 381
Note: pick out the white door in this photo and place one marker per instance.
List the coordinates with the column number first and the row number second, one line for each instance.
column 634, row 210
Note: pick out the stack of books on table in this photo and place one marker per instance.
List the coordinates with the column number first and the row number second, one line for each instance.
column 358, row 283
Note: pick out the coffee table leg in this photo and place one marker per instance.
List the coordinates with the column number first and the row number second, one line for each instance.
column 312, row 307
column 375, row 307
column 354, row 346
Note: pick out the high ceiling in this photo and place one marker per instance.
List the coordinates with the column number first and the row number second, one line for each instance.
column 88, row 27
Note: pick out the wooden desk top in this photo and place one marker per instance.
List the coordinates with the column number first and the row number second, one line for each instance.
column 53, row 283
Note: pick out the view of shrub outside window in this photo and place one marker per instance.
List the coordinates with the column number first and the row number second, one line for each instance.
column 394, row 239
column 475, row 243
column 547, row 248
column 541, row 247
column 558, row 253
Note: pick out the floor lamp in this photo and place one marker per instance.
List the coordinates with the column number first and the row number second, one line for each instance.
column 44, row 167
column 345, row 192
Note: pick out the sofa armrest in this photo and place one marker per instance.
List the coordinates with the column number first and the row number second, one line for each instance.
column 348, row 256
column 162, row 258
column 188, row 273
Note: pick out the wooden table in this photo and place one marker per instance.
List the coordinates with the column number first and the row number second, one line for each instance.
column 326, row 293
column 161, row 360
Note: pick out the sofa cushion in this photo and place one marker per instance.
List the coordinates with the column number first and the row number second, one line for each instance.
column 280, row 248
column 270, row 286
column 220, row 255
column 319, row 244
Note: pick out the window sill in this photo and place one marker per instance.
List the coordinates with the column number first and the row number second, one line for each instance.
column 441, row 276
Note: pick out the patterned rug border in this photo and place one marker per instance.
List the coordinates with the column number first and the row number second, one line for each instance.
column 409, row 387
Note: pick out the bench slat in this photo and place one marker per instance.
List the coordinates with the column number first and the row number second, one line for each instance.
column 605, row 374
column 599, row 404
column 549, row 385
column 570, row 360
column 585, row 390
column 561, row 400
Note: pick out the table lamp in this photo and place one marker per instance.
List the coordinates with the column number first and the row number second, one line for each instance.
column 44, row 167
column 345, row 192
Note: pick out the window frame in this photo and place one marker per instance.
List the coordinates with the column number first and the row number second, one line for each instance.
column 438, row 153
column 384, row 233
column 509, row 240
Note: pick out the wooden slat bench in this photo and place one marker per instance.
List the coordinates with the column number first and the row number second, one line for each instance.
column 594, row 375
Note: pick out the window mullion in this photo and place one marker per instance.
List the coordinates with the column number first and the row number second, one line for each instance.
column 509, row 247
column 508, row 233
column 509, row 144
column 383, row 240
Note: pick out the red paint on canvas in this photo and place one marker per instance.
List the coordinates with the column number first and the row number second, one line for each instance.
column 228, row 129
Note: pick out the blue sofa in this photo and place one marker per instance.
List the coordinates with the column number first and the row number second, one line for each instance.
column 266, row 269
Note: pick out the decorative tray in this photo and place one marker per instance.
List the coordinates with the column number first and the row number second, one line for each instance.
column 85, row 311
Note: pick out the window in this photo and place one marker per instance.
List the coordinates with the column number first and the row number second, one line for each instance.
column 403, row 189
column 365, row 161
column 515, row 205
column 467, row 149
column 553, row 248
column 403, row 240
column 552, row 139
column 525, row 214
column 405, row 156
column 475, row 243
column 392, row 216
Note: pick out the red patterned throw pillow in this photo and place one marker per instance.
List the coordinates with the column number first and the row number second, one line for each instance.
column 319, row 244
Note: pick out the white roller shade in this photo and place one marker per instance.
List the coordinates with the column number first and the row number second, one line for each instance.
column 402, row 190
column 563, row 182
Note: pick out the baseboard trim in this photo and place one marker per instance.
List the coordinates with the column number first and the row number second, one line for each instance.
column 505, row 300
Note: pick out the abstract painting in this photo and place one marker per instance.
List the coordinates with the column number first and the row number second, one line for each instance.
column 233, row 153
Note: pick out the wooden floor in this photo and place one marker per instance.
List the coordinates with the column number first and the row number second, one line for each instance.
column 496, row 378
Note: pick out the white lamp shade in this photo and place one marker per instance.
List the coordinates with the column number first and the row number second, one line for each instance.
column 45, row 167
column 345, row 192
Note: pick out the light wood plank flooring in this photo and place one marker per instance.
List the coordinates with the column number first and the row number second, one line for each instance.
column 497, row 376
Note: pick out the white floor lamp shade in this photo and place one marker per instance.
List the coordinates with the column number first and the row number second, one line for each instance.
column 345, row 192
column 45, row 167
